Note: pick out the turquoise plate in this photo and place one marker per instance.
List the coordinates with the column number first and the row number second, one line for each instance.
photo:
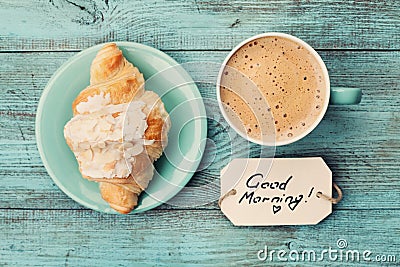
column 186, row 137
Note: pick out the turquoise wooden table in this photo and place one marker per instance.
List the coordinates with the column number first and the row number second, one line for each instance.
column 358, row 40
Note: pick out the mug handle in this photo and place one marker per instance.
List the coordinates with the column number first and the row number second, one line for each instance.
column 345, row 96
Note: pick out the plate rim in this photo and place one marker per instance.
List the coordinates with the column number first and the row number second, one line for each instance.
column 43, row 98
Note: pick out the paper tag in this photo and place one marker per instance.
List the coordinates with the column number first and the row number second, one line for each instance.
column 284, row 194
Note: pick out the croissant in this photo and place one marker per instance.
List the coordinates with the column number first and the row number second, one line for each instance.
column 118, row 129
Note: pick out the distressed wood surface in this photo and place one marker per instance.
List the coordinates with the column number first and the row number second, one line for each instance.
column 181, row 238
column 358, row 40
column 359, row 164
column 196, row 24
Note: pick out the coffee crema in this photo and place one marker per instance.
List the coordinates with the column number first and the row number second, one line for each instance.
column 290, row 83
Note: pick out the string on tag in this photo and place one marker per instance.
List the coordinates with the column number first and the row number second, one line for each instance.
column 331, row 199
column 227, row 194
column 318, row 194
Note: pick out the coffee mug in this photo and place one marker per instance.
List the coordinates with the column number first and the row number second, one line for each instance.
column 332, row 95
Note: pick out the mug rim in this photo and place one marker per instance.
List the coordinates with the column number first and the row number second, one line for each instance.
column 324, row 73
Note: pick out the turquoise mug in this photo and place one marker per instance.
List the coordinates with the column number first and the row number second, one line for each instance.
column 335, row 95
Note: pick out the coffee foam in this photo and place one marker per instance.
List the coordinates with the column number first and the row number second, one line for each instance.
column 290, row 83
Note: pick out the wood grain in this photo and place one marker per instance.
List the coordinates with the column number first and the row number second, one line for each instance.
column 176, row 238
column 360, row 143
column 196, row 25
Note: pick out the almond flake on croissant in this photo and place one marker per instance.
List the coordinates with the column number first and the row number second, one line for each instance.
column 118, row 130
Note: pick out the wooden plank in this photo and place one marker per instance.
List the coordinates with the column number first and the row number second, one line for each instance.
column 367, row 173
column 203, row 25
column 205, row 238
column 24, row 75
column 364, row 162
